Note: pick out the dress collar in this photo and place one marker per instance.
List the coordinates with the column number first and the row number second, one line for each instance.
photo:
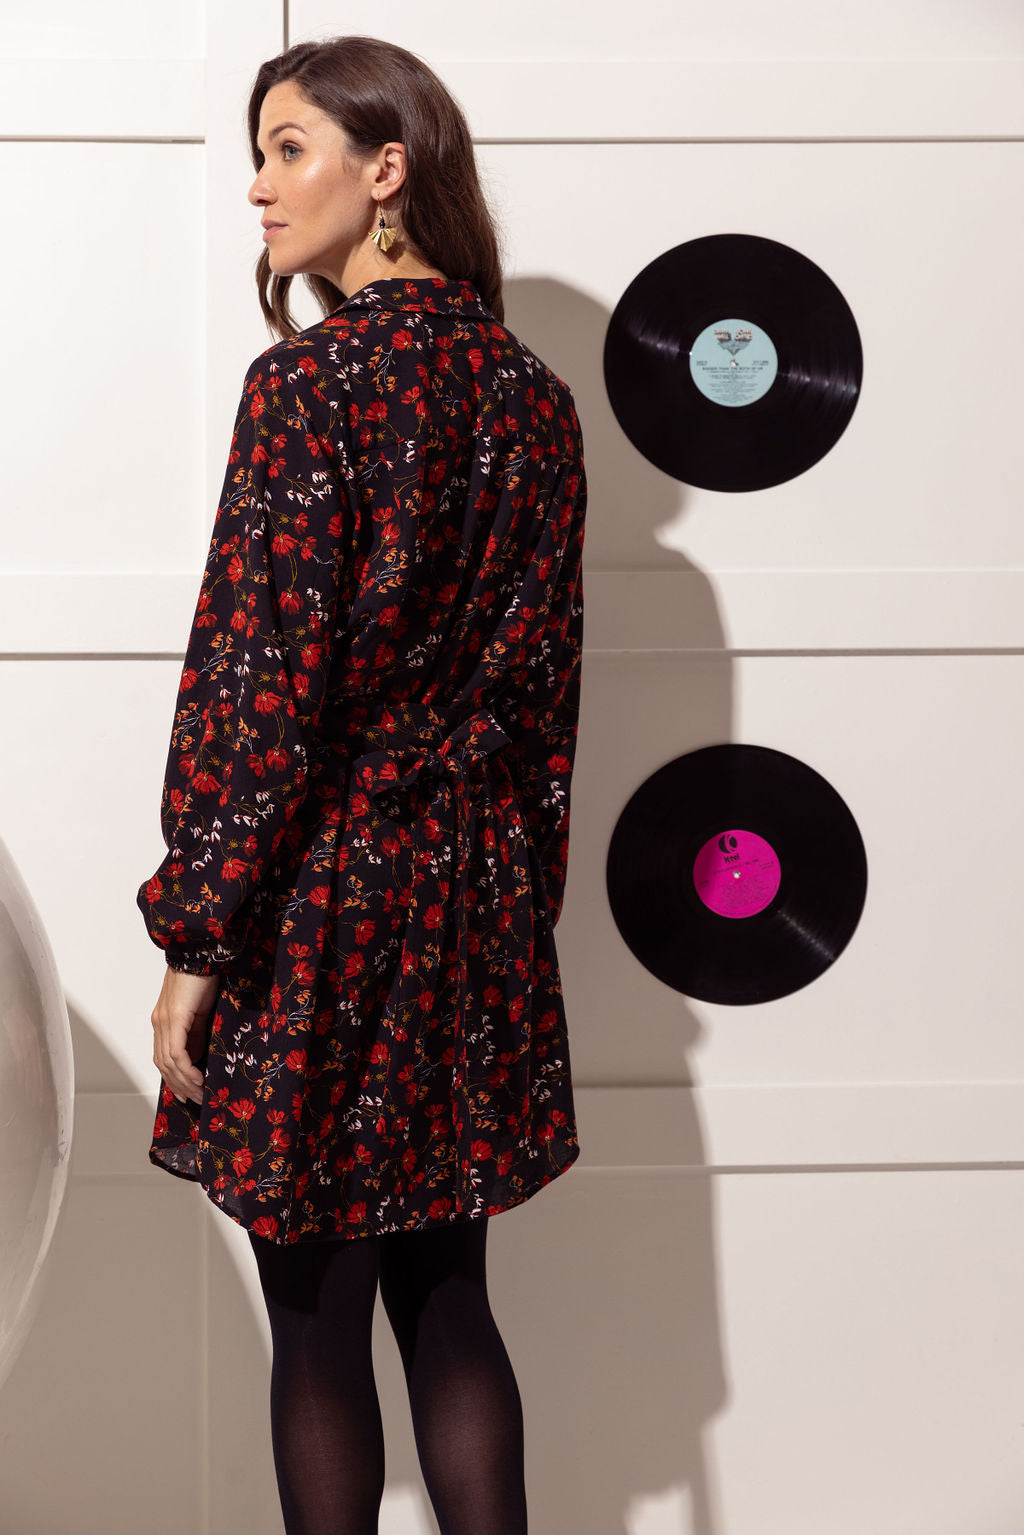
column 435, row 295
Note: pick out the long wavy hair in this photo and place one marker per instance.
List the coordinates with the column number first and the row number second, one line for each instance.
column 375, row 92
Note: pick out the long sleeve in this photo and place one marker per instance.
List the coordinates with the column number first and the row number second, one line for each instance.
column 255, row 667
column 542, row 719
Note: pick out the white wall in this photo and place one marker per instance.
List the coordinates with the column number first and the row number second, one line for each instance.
column 778, row 1294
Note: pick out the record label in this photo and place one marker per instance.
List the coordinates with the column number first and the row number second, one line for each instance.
column 737, row 874
column 733, row 362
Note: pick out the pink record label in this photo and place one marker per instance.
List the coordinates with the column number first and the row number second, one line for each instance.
column 736, row 873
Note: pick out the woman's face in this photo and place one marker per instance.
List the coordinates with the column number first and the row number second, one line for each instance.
column 321, row 207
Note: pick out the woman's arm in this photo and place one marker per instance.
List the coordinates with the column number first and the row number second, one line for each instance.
column 255, row 668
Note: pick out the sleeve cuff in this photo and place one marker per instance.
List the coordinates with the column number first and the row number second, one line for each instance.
column 193, row 964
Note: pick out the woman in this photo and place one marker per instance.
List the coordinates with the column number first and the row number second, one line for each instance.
column 361, row 1029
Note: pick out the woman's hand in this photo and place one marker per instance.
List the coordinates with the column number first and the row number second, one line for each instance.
column 181, row 1021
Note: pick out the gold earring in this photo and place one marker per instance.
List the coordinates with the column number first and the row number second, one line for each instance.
column 384, row 235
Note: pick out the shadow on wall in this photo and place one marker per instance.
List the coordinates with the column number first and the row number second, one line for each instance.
column 141, row 1397
column 625, row 1367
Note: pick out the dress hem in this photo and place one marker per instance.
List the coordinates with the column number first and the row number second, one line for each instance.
column 157, row 1159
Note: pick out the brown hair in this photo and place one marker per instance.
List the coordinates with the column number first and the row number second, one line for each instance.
column 376, row 91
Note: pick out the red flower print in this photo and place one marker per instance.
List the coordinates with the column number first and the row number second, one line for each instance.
column 387, row 1049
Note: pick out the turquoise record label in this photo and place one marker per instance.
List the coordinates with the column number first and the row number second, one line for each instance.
column 733, row 362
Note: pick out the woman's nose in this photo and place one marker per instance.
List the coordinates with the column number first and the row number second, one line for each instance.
column 259, row 192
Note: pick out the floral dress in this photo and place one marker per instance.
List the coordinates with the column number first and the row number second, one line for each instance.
column 366, row 802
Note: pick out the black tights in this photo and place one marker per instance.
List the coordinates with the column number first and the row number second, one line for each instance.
column 325, row 1416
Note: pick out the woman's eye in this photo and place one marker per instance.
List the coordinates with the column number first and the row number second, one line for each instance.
column 285, row 148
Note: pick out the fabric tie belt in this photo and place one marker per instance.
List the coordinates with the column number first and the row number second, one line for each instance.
column 413, row 762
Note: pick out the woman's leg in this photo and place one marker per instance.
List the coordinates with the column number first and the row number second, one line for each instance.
column 324, row 1411
column 466, row 1410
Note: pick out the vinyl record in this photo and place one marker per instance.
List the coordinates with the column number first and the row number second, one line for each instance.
column 733, row 362
column 736, row 874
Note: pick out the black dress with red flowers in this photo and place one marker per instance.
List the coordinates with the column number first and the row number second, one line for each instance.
column 366, row 804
